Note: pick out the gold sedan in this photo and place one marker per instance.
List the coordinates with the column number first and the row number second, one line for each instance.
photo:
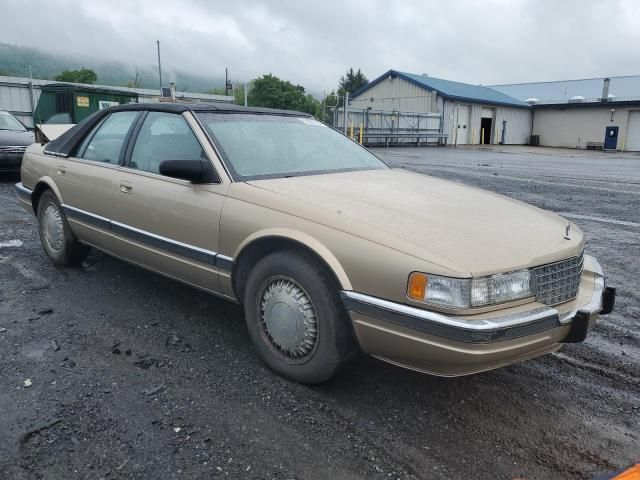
column 326, row 247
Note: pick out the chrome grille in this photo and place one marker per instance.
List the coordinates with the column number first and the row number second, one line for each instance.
column 12, row 149
column 558, row 282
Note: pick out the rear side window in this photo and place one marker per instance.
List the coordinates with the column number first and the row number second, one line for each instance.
column 164, row 136
column 105, row 142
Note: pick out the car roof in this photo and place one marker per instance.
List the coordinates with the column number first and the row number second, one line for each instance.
column 179, row 107
column 65, row 143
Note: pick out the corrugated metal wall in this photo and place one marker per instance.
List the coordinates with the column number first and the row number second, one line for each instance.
column 519, row 122
column 14, row 97
column 396, row 94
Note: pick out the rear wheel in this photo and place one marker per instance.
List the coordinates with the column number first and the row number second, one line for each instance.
column 295, row 318
column 56, row 236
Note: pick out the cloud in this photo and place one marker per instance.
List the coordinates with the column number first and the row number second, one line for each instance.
column 313, row 43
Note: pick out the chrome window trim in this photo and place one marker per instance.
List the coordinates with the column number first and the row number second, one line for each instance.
column 213, row 146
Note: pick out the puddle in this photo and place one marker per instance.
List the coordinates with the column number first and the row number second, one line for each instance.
column 11, row 243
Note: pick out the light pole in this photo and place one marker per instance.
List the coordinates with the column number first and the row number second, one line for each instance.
column 159, row 66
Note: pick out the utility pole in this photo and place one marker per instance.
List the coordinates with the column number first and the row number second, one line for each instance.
column 159, row 66
column 226, row 81
column 31, row 101
column 246, row 94
column 346, row 113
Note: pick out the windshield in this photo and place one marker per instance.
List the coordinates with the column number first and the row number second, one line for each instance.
column 9, row 122
column 276, row 146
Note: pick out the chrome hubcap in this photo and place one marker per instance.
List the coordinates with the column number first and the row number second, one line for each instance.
column 52, row 227
column 288, row 318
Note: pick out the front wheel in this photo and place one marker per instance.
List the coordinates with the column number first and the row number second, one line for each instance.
column 295, row 318
column 56, row 236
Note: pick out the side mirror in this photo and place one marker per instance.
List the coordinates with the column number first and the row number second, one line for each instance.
column 191, row 170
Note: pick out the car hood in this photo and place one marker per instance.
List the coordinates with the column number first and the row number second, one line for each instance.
column 9, row 137
column 476, row 231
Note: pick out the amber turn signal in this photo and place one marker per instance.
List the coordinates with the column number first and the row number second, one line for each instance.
column 417, row 286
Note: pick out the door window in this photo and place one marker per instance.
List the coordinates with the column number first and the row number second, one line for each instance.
column 104, row 144
column 164, row 136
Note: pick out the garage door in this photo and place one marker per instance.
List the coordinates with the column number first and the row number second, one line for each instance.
column 632, row 142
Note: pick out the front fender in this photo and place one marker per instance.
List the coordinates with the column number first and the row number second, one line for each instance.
column 307, row 241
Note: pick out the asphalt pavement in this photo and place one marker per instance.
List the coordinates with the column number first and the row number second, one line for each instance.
column 109, row 371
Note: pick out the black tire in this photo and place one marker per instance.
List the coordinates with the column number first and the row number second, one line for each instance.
column 333, row 343
column 57, row 239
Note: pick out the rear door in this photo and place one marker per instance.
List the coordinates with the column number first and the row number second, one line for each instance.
column 167, row 224
column 85, row 179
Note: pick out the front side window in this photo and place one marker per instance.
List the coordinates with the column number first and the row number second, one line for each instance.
column 274, row 146
column 105, row 143
column 11, row 123
column 164, row 136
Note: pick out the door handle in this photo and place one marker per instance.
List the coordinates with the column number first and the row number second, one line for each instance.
column 61, row 170
column 124, row 188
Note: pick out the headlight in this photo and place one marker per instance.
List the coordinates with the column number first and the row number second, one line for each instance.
column 465, row 293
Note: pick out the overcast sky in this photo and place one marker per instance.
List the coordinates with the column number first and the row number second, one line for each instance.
column 314, row 42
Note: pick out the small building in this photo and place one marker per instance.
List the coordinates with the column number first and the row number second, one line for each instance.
column 602, row 113
column 468, row 114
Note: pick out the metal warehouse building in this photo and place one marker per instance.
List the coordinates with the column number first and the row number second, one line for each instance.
column 467, row 114
column 587, row 113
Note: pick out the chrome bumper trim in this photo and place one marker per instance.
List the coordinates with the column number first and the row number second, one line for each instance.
column 488, row 330
column 22, row 192
column 149, row 239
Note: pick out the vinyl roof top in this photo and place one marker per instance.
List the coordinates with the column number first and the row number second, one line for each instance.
column 63, row 87
column 178, row 107
column 450, row 90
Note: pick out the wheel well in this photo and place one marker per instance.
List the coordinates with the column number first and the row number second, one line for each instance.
column 262, row 247
column 37, row 193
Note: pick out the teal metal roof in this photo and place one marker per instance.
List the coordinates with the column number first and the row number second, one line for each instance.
column 450, row 90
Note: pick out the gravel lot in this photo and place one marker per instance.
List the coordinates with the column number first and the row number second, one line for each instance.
column 135, row 376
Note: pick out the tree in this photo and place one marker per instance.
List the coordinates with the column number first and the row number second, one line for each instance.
column 271, row 92
column 84, row 75
column 352, row 81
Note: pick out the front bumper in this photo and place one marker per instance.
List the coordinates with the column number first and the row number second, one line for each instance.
column 10, row 162
column 455, row 345
column 24, row 195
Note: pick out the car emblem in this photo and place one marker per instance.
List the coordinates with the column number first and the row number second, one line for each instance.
column 566, row 232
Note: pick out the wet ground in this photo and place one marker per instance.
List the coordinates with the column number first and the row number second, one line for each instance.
column 109, row 371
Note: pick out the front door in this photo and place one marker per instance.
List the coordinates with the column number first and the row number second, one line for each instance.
column 462, row 125
column 167, row 224
column 85, row 178
column 611, row 138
